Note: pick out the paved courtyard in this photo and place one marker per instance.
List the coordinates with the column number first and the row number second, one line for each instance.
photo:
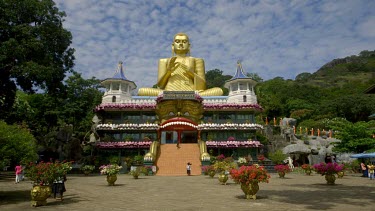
column 295, row 192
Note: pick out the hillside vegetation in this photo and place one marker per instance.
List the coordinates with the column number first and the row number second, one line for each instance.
column 335, row 90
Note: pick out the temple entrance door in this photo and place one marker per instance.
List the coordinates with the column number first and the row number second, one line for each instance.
column 172, row 137
column 178, row 130
column 189, row 137
column 169, row 137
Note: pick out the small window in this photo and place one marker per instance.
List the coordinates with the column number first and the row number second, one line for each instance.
column 115, row 86
column 113, row 99
column 244, row 98
column 242, row 86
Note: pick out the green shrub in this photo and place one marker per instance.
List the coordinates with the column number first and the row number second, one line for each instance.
column 277, row 157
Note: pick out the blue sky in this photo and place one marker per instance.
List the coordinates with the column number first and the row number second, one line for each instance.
column 271, row 38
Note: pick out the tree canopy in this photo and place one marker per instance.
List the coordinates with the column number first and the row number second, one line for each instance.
column 34, row 49
column 355, row 137
column 17, row 144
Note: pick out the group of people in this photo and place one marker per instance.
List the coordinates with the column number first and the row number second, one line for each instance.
column 368, row 170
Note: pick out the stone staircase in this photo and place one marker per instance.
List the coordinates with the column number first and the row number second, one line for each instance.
column 7, row 175
column 172, row 160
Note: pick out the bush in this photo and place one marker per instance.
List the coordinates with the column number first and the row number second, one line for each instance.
column 138, row 160
column 353, row 166
column 17, row 145
column 277, row 157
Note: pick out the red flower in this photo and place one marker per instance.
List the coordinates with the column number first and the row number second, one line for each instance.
column 248, row 174
column 282, row 168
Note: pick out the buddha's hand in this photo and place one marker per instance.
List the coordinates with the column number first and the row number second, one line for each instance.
column 172, row 64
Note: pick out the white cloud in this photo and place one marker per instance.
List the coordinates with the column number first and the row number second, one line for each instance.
column 271, row 38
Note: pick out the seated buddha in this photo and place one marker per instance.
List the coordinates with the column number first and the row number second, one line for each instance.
column 181, row 72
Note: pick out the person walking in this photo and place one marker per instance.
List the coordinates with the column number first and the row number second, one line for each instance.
column 59, row 187
column 188, row 169
column 18, row 170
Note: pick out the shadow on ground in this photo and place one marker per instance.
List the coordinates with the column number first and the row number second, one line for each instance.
column 321, row 196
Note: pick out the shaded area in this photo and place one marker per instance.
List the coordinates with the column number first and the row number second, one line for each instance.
column 321, row 196
column 13, row 197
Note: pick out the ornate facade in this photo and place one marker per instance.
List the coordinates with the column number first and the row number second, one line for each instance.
column 219, row 124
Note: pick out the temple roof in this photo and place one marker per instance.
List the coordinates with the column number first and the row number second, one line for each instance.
column 119, row 75
column 239, row 73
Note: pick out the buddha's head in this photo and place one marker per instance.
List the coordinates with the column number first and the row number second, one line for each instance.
column 181, row 45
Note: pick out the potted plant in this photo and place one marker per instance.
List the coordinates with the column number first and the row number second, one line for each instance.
column 242, row 161
column 307, row 168
column 43, row 175
column 282, row 170
column 249, row 177
column 138, row 160
column 277, row 157
column 209, row 170
column 111, row 171
column 137, row 171
column 328, row 170
column 87, row 169
column 223, row 166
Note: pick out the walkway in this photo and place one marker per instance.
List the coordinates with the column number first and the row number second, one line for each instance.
column 295, row 192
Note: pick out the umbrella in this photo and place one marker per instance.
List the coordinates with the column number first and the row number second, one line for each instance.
column 363, row 155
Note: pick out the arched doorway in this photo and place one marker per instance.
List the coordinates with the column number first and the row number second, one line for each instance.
column 178, row 130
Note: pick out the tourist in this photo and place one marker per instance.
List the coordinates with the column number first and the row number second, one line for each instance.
column 364, row 170
column 188, row 169
column 59, row 187
column 371, row 170
column 18, row 170
column 333, row 159
column 22, row 176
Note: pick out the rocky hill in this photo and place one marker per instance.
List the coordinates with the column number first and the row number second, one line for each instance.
column 338, row 72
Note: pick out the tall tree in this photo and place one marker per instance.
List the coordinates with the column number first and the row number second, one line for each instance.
column 215, row 78
column 34, row 49
column 355, row 137
column 255, row 76
column 82, row 96
column 16, row 144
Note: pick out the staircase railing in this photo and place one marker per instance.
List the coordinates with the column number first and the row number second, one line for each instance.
column 151, row 155
column 203, row 150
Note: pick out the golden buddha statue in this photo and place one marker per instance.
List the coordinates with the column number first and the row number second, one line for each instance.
column 181, row 72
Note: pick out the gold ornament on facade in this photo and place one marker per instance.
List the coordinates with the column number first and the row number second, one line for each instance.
column 172, row 108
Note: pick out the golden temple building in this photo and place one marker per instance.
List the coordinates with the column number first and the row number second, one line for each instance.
column 180, row 121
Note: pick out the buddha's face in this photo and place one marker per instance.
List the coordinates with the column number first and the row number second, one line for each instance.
column 181, row 44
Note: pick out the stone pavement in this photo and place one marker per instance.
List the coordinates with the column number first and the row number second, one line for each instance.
column 295, row 192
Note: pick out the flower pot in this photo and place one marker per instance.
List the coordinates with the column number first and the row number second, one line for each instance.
column 135, row 176
column 111, row 179
column 86, row 173
column 281, row 174
column 39, row 195
column 211, row 174
column 340, row 174
column 308, row 172
column 223, row 178
column 330, row 178
column 250, row 190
